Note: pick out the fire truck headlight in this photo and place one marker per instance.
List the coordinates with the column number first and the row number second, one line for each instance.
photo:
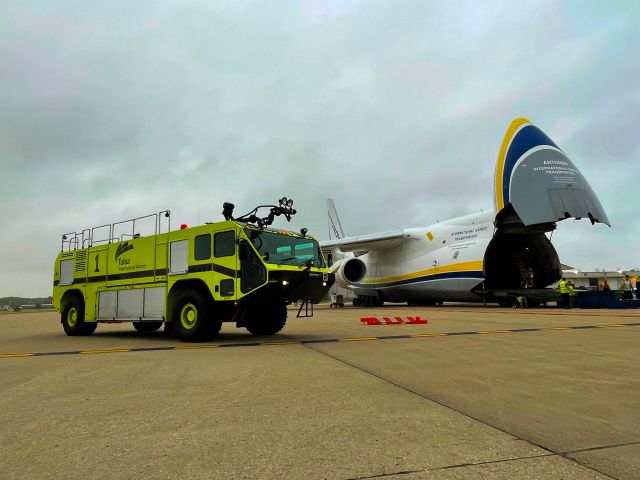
column 324, row 284
column 285, row 282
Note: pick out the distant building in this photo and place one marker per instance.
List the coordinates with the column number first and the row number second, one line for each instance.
column 592, row 279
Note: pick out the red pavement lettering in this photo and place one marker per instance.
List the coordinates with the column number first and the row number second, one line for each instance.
column 370, row 321
column 393, row 320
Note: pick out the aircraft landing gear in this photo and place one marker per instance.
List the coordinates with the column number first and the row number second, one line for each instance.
column 367, row 301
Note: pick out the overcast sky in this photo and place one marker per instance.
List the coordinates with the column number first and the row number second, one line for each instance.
column 395, row 109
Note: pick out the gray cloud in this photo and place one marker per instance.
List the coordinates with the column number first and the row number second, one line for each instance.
column 395, row 109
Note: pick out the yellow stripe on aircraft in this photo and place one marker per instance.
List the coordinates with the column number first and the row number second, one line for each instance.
column 511, row 131
column 455, row 267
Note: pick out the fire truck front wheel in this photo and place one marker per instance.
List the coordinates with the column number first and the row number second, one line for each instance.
column 266, row 319
column 73, row 319
column 192, row 318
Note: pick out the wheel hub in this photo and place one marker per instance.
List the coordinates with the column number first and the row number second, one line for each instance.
column 188, row 316
column 72, row 317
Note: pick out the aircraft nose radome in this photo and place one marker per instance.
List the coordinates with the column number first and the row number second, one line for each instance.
column 547, row 187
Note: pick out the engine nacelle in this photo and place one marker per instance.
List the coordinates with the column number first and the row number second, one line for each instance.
column 349, row 272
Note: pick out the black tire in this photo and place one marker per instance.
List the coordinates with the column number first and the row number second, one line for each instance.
column 169, row 329
column 147, row 327
column 266, row 318
column 192, row 318
column 72, row 319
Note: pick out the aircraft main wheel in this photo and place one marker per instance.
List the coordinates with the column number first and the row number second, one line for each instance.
column 73, row 319
column 266, row 319
column 191, row 318
column 147, row 327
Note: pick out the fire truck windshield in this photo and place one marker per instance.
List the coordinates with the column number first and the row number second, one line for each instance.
column 285, row 249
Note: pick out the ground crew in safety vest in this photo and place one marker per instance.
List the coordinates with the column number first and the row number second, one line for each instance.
column 565, row 292
column 572, row 294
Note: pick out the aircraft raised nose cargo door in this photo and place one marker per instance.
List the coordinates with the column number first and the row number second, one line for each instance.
column 539, row 180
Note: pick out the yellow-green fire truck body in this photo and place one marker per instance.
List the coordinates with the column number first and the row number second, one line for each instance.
column 191, row 279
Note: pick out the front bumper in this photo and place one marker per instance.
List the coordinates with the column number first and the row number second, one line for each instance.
column 291, row 286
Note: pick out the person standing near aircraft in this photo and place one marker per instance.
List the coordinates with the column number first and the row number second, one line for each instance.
column 572, row 294
column 626, row 288
column 604, row 286
column 564, row 291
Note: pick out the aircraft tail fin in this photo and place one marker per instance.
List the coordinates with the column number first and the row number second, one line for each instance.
column 539, row 181
column 335, row 227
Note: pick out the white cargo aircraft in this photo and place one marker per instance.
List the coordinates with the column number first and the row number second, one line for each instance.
column 490, row 255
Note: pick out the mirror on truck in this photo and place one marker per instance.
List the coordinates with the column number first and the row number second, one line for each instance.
column 329, row 259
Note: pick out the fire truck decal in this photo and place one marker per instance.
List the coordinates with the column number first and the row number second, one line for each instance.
column 122, row 248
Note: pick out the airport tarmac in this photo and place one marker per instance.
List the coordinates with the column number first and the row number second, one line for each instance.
column 475, row 393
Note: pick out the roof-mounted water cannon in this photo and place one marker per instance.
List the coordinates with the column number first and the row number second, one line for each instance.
column 227, row 210
column 285, row 208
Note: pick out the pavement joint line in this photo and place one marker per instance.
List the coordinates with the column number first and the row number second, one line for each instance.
column 310, row 342
column 292, row 342
column 105, row 350
column 468, row 415
column 458, row 465
column 358, row 339
column 603, row 447
column 491, row 462
column 194, row 347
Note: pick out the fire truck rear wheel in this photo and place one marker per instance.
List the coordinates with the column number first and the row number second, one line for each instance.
column 147, row 327
column 192, row 318
column 73, row 319
column 266, row 319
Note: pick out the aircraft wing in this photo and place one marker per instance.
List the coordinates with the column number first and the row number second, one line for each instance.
column 365, row 243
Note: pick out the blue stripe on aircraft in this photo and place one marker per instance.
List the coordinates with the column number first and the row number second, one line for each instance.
column 526, row 139
column 424, row 278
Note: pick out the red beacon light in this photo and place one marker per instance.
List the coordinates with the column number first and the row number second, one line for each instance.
column 184, row 226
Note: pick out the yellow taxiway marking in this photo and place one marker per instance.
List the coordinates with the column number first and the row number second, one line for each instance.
column 308, row 342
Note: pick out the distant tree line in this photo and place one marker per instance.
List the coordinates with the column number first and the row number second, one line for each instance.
column 37, row 302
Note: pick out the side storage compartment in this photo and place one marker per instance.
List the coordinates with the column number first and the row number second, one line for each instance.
column 138, row 304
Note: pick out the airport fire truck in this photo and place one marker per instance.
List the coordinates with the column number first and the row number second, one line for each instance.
column 191, row 279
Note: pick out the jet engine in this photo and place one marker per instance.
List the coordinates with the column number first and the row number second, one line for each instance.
column 350, row 271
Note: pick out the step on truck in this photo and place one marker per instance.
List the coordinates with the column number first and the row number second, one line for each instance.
column 190, row 279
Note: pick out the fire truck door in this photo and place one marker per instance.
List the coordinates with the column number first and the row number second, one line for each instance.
column 225, row 265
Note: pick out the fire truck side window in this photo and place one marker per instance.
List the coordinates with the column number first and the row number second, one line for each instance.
column 202, row 247
column 224, row 244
